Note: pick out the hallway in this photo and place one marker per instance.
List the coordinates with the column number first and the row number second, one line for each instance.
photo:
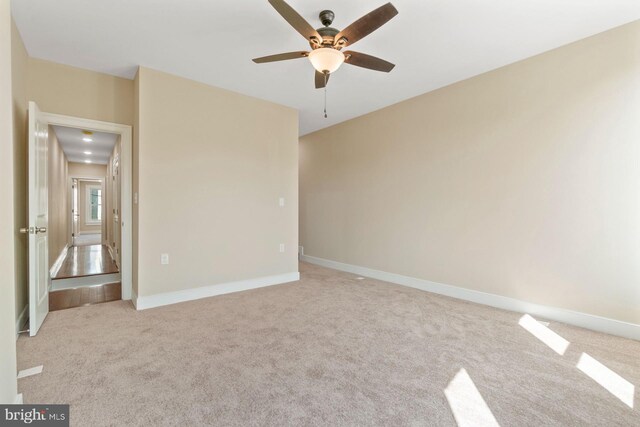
column 88, row 275
column 84, row 261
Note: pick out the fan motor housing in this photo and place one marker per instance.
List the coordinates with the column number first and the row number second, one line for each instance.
column 328, row 35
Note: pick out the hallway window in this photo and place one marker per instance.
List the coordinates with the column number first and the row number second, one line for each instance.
column 95, row 204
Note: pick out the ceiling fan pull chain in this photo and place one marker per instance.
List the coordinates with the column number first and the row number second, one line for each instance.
column 325, row 95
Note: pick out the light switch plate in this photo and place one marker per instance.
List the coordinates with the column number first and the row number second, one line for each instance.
column 164, row 259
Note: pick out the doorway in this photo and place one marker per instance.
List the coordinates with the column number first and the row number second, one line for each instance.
column 86, row 267
column 91, row 248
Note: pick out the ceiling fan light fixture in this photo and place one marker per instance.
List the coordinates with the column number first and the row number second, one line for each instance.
column 326, row 59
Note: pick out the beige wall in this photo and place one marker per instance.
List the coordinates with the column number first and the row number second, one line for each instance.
column 59, row 215
column 212, row 165
column 71, row 91
column 20, row 106
column 87, row 170
column 8, row 383
column 521, row 182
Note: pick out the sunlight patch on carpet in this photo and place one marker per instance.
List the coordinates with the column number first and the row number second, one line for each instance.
column 466, row 402
column 544, row 334
column 614, row 383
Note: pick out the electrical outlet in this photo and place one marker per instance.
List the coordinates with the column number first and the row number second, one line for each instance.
column 281, row 201
column 281, row 247
column 164, row 259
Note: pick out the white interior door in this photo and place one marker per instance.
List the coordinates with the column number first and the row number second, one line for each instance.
column 38, row 220
column 74, row 211
column 116, row 208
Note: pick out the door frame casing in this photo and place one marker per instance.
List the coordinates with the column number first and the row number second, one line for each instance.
column 126, row 185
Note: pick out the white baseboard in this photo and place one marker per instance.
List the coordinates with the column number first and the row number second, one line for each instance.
column 144, row 302
column 583, row 320
column 112, row 254
column 84, row 281
column 58, row 263
column 21, row 320
column 134, row 299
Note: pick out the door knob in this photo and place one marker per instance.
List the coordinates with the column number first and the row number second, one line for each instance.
column 24, row 230
column 41, row 229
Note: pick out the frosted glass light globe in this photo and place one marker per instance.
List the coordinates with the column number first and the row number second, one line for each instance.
column 326, row 59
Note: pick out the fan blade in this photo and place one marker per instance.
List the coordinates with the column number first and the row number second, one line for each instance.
column 281, row 57
column 366, row 25
column 367, row 61
column 295, row 20
column 320, row 80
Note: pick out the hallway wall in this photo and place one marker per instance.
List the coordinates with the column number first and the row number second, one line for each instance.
column 85, row 170
column 59, row 208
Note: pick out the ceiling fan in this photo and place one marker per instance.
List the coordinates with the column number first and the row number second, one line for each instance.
column 327, row 43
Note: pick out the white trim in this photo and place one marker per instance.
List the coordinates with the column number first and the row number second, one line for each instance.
column 30, row 371
column 86, row 233
column 18, row 400
column 157, row 300
column 134, row 299
column 22, row 320
column 126, row 182
column 583, row 320
column 84, row 281
column 112, row 254
column 58, row 263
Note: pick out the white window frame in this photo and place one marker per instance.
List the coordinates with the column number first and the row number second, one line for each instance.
column 89, row 187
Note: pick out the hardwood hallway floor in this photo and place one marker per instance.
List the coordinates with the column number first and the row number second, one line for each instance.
column 85, row 262
column 85, row 295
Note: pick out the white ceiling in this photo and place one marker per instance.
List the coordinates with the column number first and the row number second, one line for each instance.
column 433, row 42
column 74, row 147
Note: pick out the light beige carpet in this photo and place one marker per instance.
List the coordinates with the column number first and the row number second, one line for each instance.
column 327, row 350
